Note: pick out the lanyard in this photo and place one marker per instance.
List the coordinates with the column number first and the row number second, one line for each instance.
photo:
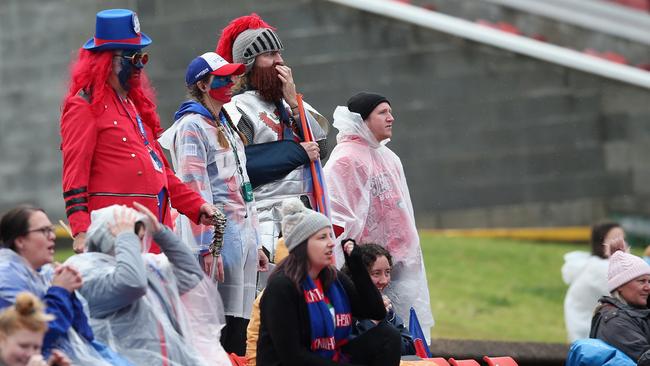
column 224, row 122
column 156, row 160
column 143, row 134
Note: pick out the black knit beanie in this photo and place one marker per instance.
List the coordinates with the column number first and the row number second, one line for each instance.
column 364, row 103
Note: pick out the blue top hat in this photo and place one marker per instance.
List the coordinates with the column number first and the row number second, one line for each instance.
column 117, row 29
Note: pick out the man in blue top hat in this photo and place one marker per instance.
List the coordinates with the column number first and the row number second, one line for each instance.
column 109, row 130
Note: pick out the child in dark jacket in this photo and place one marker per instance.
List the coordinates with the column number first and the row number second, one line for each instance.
column 379, row 263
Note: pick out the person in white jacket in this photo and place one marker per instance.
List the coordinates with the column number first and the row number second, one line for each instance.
column 586, row 275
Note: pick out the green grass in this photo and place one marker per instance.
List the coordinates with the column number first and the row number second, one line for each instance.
column 63, row 250
column 491, row 289
column 496, row 289
column 62, row 254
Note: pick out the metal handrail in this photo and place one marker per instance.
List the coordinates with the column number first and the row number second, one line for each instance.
column 496, row 38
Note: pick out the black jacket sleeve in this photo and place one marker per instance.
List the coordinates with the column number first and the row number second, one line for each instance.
column 365, row 299
column 407, row 348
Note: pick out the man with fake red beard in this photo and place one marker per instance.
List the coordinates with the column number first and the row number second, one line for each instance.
column 266, row 97
column 370, row 199
column 109, row 127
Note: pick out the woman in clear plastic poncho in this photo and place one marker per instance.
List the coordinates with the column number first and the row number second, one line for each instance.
column 28, row 237
column 208, row 155
column 370, row 200
column 156, row 309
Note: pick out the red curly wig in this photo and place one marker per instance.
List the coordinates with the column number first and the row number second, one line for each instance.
column 90, row 72
column 232, row 30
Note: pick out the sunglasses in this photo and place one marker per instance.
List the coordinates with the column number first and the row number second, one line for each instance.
column 136, row 59
column 220, row 81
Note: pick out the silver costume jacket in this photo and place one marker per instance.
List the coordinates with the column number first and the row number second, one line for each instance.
column 264, row 125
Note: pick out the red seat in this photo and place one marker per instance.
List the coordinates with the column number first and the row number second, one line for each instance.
column 470, row 362
column 645, row 66
column 438, row 360
column 609, row 56
column 508, row 28
column 500, row 361
column 615, row 57
column 237, row 360
column 636, row 4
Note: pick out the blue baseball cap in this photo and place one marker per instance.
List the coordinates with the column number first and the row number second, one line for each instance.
column 211, row 63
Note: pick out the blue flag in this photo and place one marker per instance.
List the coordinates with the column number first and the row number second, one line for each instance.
column 420, row 341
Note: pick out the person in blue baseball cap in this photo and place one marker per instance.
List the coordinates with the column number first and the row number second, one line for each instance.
column 109, row 127
column 207, row 152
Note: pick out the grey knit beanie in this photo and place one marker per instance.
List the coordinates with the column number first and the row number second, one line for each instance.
column 252, row 42
column 299, row 222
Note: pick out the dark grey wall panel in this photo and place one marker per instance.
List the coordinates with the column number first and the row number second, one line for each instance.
column 487, row 137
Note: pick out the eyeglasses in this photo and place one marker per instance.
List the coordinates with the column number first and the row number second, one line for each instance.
column 220, row 81
column 45, row 230
column 136, row 59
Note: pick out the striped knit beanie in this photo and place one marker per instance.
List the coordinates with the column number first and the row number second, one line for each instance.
column 245, row 38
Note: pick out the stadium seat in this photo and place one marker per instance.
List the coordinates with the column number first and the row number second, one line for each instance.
column 469, row 362
column 610, row 56
column 645, row 66
column 508, row 28
column 439, row 361
column 499, row 361
column 615, row 57
column 635, row 4
column 237, row 360
column 502, row 26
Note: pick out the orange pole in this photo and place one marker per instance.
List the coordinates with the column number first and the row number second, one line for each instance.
column 318, row 190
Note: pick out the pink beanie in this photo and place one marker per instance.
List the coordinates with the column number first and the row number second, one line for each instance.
column 623, row 268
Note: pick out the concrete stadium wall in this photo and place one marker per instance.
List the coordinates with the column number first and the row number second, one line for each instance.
column 487, row 138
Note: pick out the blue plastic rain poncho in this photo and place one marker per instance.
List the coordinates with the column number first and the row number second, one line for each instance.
column 69, row 331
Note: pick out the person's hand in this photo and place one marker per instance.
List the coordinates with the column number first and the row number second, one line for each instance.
column 152, row 224
column 124, row 221
column 208, row 260
column 36, row 360
column 79, row 243
column 67, row 277
column 288, row 86
column 387, row 303
column 348, row 247
column 58, row 358
column 312, row 150
column 615, row 244
column 262, row 261
column 207, row 211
